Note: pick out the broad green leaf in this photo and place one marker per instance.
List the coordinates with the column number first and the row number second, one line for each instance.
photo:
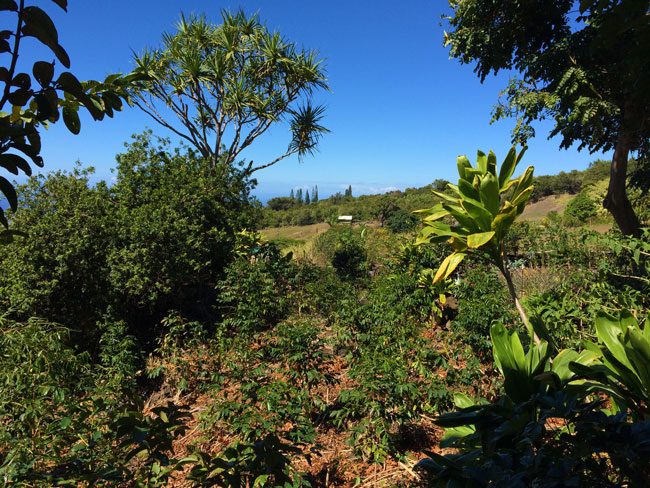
column 608, row 329
column 39, row 25
column 522, row 196
column 454, row 436
column 9, row 192
column 69, row 83
column 448, row 265
column 638, row 351
column 463, row 401
column 489, row 193
column 480, row 215
column 13, row 162
column 504, row 220
column 71, row 120
column 467, row 190
column 561, row 364
column 462, row 163
column 454, row 188
column 474, row 241
column 445, row 197
column 462, row 217
column 481, row 161
column 437, row 215
column 458, row 244
column 508, row 167
column 492, row 164
column 524, row 181
column 43, row 72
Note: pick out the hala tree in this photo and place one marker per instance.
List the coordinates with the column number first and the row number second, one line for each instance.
column 479, row 213
column 29, row 102
column 221, row 87
column 584, row 65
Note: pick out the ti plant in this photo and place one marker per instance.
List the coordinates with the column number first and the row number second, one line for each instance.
column 483, row 205
column 623, row 371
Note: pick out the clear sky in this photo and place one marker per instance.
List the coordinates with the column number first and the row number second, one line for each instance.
column 400, row 110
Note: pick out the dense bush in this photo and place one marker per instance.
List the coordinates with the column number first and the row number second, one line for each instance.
column 158, row 240
column 482, row 300
column 580, row 209
column 343, row 247
column 61, row 271
column 401, row 221
column 255, row 292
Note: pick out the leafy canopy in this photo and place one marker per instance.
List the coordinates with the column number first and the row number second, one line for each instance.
column 582, row 65
column 227, row 84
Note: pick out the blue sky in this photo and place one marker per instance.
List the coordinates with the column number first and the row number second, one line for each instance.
column 400, row 110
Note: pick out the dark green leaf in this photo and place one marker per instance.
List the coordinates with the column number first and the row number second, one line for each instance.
column 43, row 72
column 71, row 119
column 62, row 3
column 13, row 162
column 22, row 80
column 70, row 84
column 20, row 97
column 8, row 5
column 508, row 167
column 47, row 105
column 39, row 25
column 9, row 192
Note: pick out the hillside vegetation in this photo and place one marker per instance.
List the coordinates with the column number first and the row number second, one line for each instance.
column 166, row 330
column 392, row 208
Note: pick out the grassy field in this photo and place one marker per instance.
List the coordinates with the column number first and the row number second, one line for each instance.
column 540, row 209
column 298, row 239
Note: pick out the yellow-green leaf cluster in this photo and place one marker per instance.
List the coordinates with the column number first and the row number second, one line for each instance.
column 480, row 209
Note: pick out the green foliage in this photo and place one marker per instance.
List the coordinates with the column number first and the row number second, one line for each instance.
column 580, row 209
column 260, row 463
column 254, row 293
column 512, row 438
column 561, row 183
column 158, row 240
column 482, row 219
column 60, row 271
column 401, row 221
column 344, row 248
column 622, row 370
column 41, row 99
column 583, row 68
column 482, row 300
column 176, row 223
column 227, row 84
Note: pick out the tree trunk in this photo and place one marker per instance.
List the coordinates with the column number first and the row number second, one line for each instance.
column 616, row 200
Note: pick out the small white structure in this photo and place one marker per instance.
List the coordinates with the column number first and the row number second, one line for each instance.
column 345, row 219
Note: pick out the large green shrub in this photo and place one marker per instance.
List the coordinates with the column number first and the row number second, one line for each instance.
column 61, row 271
column 401, row 221
column 580, row 209
column 158, row 240
column 344, row 248
column 177, row 219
